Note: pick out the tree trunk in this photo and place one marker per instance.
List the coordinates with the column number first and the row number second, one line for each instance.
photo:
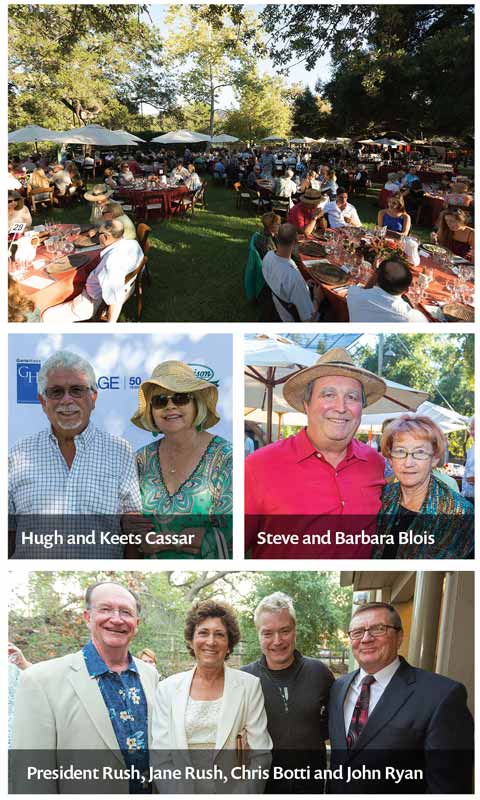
column 212, row 105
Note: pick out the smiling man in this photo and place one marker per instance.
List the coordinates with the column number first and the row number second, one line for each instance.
column 388, row 715
column 296, row 691
column 96, row 702
column 321, row 481
column 71, row 476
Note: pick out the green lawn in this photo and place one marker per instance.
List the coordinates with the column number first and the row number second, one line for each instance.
column 197, row 264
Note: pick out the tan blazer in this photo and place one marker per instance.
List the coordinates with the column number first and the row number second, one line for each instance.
column 242, row 712
column 59, row 707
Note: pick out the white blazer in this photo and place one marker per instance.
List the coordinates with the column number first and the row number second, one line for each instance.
column 242, row 712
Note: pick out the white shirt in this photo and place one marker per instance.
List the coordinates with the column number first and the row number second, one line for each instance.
column 468, row 489
column 377, row 305
column 13, row 183
column 336, row 215
column 108, row 279
column 284, row 278
column 61, row 179
column 377, row 688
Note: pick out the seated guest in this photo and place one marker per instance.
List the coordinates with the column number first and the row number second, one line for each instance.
column 29, row 164
column 268, row 239
column 340, row 212
column 343, row 178
column 179, row 174
column 61, row 180
column 115, row 211
column 219, row 170
column 13, row 184
column 291, row 295
column 98, row 197
column 308, row 212
column 458, row 196
column 106, row 282
column 393, row 183
column 285, row 187
column 267, row 162
column 394, row 217
column 77, row 182
column 381, row 298
column 108, row 177
column 193, row 181
column 18, row 211
column 361, row 179
column 413, row 195
column 126, row 177
column 310, row 181
column 20, row 307
column 39, row 180
column 455, row 234
column 253, row 177
column 328, row 183
column 410, row 176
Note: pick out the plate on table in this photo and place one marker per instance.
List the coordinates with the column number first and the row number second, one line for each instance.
column 67, row 263
column 327, row 273
column 433, row 249
column 313, row 249
column 458, row 312
column 85, row 241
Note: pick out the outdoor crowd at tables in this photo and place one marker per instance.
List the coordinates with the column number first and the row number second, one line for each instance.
column 315, row 198
column 377, row 284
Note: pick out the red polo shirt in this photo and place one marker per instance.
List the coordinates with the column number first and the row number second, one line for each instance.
column 291, row 488
column 301, row 215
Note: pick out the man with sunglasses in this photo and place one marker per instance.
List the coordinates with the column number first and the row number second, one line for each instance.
column 119, row 257
column 91, row 709
column 72, row 477
column 390, row 716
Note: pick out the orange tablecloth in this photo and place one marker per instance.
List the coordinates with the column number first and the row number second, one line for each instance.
column 140, row 198
column 337, row 300
column 66, row 285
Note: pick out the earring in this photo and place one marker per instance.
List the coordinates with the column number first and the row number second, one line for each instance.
column 198, row 428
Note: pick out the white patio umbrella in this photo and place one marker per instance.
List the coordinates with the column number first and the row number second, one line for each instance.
column 34, row 133
column 391, row 142
column 366, row 141
column 274, row 139
column 447, row 419
column 181, row 137
column 224, row 138
column 299, row 141
column 270, row 359
column 96, row 135
column 130, row 135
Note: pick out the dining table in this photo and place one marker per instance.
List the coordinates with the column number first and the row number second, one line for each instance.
column 47, row 289
column 165, row 199
column 436, row 289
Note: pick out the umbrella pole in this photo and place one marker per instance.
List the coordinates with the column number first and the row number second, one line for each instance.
column 269, row 404
column 280, row 421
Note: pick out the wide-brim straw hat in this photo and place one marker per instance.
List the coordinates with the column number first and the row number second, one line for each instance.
column 174, row 376
column 99, row 192
column 312, row 197
column 335, row 362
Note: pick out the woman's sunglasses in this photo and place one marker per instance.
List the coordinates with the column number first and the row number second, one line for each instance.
column 178, row 399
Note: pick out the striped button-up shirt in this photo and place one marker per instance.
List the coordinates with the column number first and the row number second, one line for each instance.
column 100, row 485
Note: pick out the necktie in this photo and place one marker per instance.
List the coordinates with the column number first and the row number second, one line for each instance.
column 360, row 712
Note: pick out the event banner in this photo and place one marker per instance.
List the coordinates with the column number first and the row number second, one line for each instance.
column 277, row 682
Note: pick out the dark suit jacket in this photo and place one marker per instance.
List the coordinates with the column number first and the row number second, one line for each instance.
column 420, row 722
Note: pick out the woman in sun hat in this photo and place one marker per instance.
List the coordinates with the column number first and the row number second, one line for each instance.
column 98, row 197
column 186, row 475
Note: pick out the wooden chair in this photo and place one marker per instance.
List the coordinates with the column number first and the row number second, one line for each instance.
column 143, row 232
column 280, row 206
column 183, row 204
column 40, row 197
column 258, row 203
column 200, row 199
column 242, row 198
column 133, row 284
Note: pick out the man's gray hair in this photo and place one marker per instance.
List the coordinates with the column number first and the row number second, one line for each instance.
column 308, row 391
column 278, row 601
column 395, row 619
column 64, row 359
column 90, row 589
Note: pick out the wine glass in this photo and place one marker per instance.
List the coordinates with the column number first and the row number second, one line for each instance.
column 67, row 248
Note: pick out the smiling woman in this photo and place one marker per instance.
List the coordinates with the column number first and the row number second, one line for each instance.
column 186, row 476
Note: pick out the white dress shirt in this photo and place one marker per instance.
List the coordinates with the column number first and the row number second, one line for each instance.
column 377, row 305
column 336, row 215
column 285, row 280
column 107, row 280
column 377, row 688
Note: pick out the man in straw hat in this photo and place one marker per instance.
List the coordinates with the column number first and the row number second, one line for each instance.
column 322, row 480
column 308, row 212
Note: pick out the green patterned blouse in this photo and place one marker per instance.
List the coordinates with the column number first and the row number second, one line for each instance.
column 203, row 501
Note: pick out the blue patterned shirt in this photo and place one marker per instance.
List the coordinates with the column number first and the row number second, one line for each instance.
column 126, row 704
